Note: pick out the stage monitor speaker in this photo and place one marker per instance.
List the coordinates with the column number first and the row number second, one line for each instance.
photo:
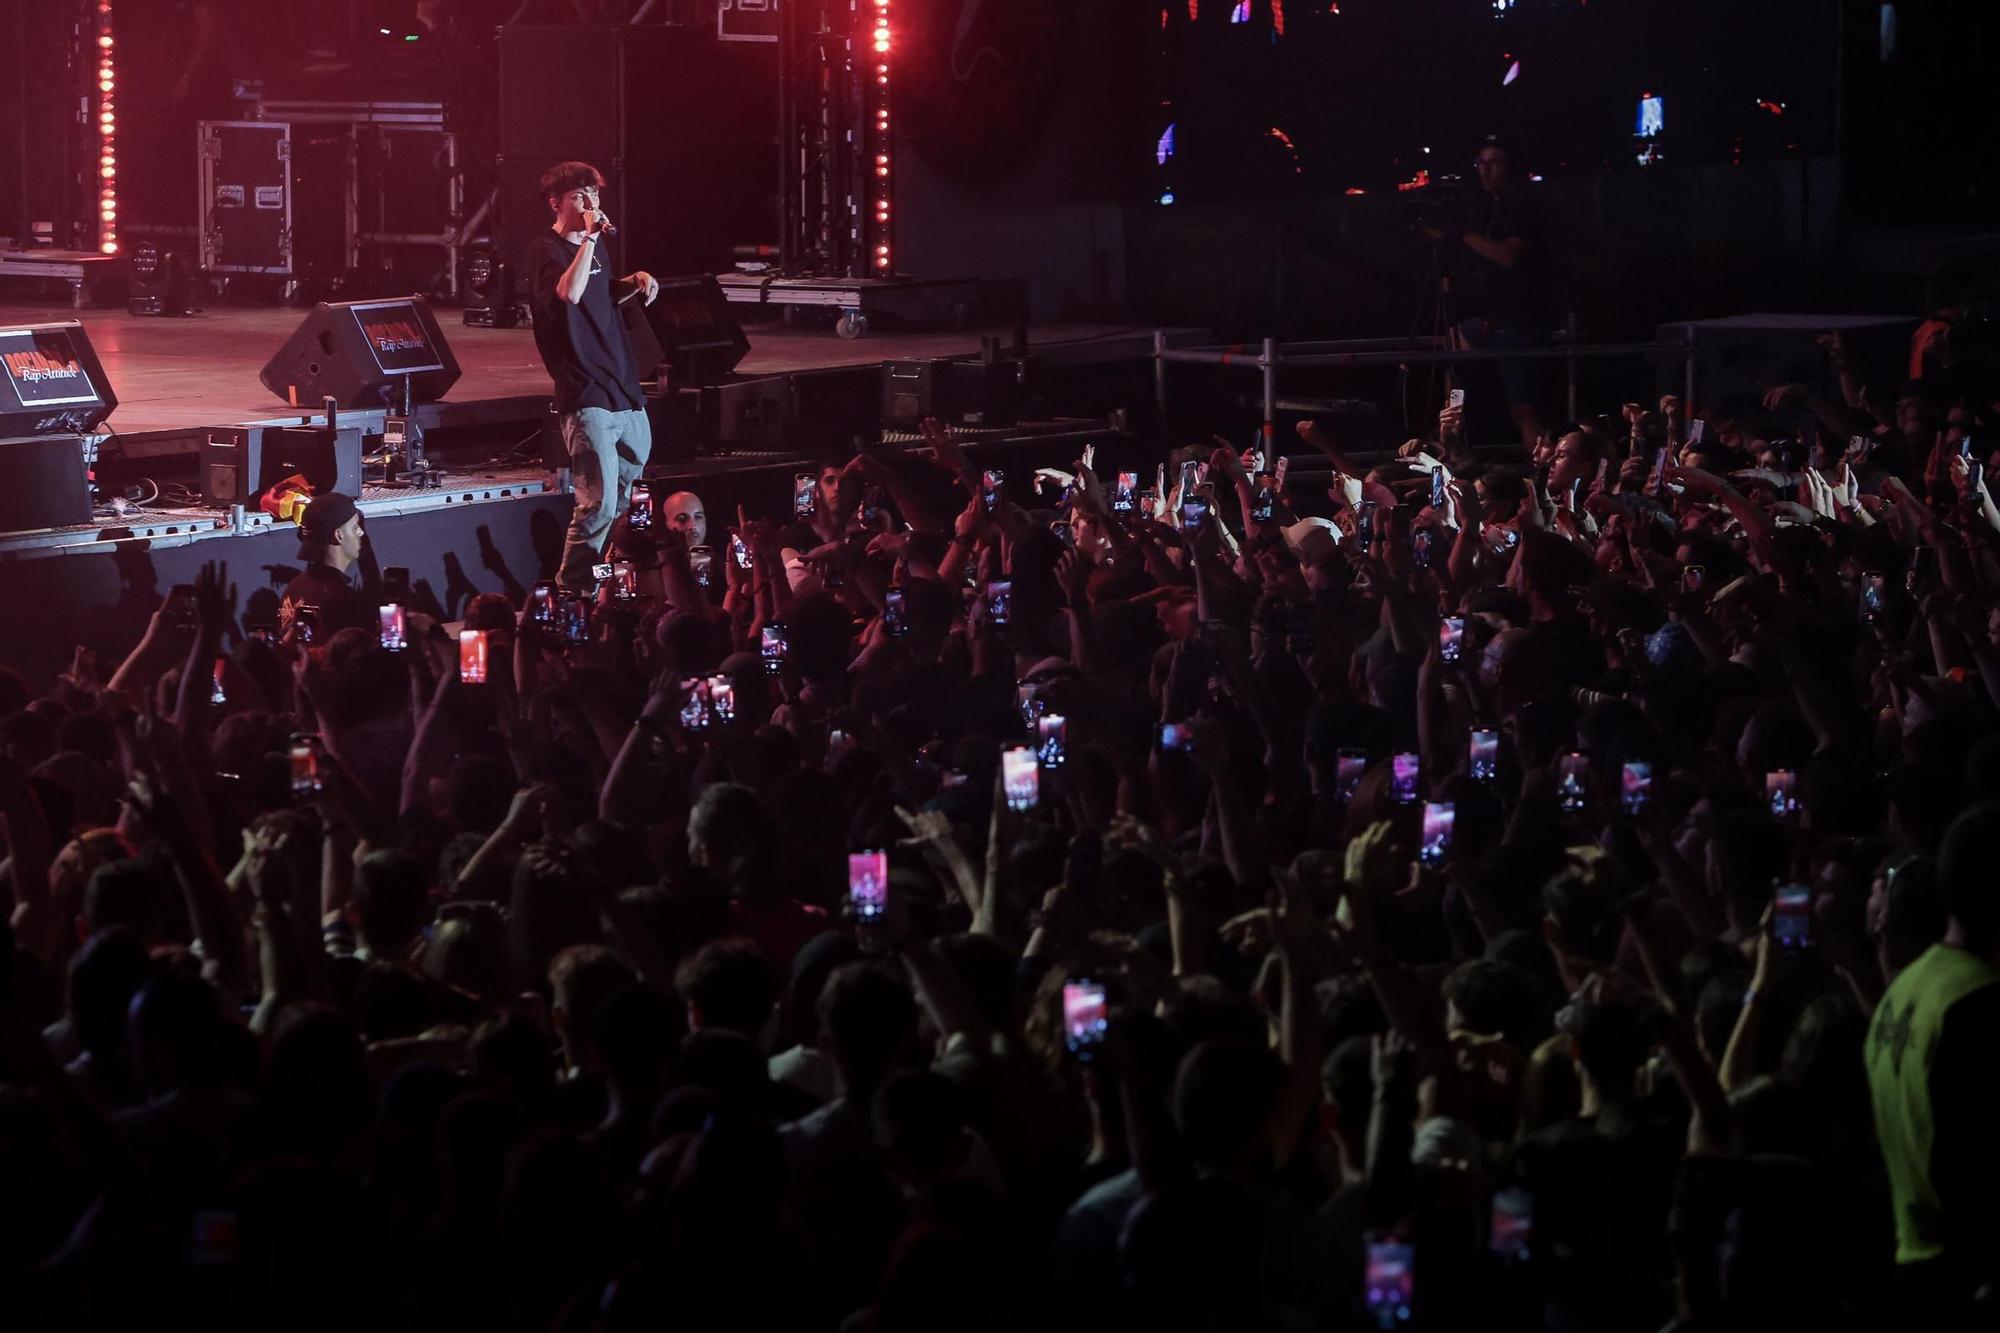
column 50, row 381
column 649, row 358
column 162, row 281
column 698, row 335
column 239, row 463
column 42, row 483
column 360, row 352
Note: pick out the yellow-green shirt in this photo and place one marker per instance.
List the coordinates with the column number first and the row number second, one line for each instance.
column 1902, row 1046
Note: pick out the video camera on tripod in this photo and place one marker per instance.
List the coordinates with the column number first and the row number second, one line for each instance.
column 1437, row 205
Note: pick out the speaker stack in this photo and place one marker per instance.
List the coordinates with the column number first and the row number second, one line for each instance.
column 688, row 334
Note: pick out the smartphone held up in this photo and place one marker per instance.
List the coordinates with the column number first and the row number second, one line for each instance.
column 868, row 886
column 1086, row 1017
column 472, row 652
column 1389, row 1285
column 307, row 781
column 1021, row 776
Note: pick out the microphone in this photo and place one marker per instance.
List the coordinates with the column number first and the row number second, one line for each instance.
column 604, row 227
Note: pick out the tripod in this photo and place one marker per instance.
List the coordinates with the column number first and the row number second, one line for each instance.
column 1436, row 308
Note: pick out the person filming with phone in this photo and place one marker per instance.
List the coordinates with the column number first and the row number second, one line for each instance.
column 1491, row 259
column 581, row 338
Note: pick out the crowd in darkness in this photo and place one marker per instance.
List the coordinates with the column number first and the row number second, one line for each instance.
column 371, row 996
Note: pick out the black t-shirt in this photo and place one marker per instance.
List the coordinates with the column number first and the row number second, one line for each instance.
column 583, row 345
column 1501, row 294
column 341, row 604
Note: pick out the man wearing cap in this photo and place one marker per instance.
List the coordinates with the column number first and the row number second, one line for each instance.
column 330, row 544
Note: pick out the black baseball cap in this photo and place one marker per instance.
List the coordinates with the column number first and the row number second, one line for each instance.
column 326, row 515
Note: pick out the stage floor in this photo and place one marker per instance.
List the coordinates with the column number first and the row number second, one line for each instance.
column 198, row 371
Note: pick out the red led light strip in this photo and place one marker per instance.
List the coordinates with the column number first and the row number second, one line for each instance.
column 881, row 230
column 107, row 133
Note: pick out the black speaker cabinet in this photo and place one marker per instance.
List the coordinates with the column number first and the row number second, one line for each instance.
column 913, row 390
column 981, row 393
column 648, row 356
column 50, row 381
column 697, row 333
column 42, row 483
column 360, row 352
column 239, row 463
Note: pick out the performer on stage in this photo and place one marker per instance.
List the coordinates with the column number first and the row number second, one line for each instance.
column 582, row 341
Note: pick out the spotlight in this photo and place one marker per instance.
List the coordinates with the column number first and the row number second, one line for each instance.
column 161, row 281
column 488, row 283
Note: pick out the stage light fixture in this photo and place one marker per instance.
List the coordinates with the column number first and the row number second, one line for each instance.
column 161, row 281
column 881, row 239
column 107, row 133
column 488, row 284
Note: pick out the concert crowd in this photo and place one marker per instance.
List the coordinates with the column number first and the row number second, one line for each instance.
column 1474, row 889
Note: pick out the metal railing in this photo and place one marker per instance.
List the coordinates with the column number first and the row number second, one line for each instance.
column 1271, row 356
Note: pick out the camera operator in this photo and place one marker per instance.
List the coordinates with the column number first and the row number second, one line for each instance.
column 1491, row 260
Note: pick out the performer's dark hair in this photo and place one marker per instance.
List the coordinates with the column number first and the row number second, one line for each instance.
column 563, row 177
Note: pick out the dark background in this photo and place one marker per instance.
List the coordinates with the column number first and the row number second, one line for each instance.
column 1030, row 132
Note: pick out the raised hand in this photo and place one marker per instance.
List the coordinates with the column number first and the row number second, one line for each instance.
column 1073, row 575
column 929, row 828
column 1697, row 482
column 1295, row 928
column 972, row 521
column 945, row 452
column 214, row 598
column 1135, row 835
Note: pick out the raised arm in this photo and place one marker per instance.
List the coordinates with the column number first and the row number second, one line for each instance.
column 1316, row 436
column 215, row 612
column 430, row 750
column 1242, row 851
column 42, row 922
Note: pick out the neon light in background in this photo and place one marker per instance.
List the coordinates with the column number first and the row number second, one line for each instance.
column 1165, row 148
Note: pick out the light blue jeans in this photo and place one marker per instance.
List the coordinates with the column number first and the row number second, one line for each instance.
column 607, row 452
